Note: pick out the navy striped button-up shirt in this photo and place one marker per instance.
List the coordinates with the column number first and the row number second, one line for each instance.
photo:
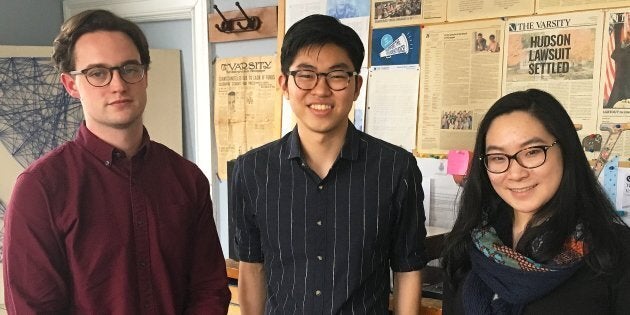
column 327, row 245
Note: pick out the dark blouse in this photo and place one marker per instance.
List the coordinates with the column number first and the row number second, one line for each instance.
column 584, row 293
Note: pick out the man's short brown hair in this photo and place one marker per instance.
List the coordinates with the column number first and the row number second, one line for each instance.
column 92, row 21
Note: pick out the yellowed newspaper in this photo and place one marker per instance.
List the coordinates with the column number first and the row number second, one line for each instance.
column 556, row 6
column 246, row 106
column 464, row 10
column 460, row 80
column 561, row 55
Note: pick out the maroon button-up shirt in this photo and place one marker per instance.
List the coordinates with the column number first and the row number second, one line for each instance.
column 91, row 232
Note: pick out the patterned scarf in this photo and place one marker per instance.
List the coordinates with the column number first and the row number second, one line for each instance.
column 503, row 281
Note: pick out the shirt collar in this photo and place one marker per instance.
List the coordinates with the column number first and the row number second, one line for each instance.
column 104, row 151
column 349, row 151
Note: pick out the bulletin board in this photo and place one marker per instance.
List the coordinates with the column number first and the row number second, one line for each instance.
column 460, row 79
column 472, row 52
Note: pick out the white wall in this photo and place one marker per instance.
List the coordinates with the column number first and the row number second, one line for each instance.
column 29, row 22
column 177, row 34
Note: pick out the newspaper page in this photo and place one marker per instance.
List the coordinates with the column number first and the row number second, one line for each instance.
column 460, row 80
column 245, row 111
column 557, row 6
column 615, row 76
column 561, row 55
column 465, row 10
column 389, row 13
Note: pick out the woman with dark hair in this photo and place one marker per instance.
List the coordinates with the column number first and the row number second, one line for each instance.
column 535, row 233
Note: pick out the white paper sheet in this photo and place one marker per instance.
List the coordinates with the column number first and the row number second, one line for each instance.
column 392, row 104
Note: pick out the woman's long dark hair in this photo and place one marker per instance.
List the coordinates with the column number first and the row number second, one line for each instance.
column 579, row 199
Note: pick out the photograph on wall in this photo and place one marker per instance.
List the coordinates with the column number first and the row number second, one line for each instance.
column 395, row 46
column 245, row 116
column 560, row 54
column 616, row 64
column 390, row 13
column 483, row 44
column 615, row 75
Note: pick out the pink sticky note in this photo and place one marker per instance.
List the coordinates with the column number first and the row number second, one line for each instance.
column 458, row 162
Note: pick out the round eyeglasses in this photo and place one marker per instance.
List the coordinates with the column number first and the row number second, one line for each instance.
column 337, row 80
column 102, row 76
column 530, row 157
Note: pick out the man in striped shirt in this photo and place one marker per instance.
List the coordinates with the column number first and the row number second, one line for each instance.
column 324, row 213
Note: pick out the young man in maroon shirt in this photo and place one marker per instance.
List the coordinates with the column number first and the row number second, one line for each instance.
column 112, row 222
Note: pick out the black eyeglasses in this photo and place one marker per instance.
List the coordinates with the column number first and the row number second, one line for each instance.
column 530, row 157
column 102, row 76
column 337, row 80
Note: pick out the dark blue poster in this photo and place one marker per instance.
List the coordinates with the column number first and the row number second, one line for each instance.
column 396, row 46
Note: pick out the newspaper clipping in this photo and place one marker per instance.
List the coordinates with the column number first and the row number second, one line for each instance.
column 615, row 79
column 463, row 10
column 556, row 6
column 245, row 111
column 557, row 53
column 460, row 80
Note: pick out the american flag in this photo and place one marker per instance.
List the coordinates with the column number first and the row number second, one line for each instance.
column 610, row 63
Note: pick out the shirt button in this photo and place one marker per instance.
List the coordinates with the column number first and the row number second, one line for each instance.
column 140, row 222
column 320, row 187
column 143, row 264
column 108, row 163
column 320, row 258
column 318, row 292
column 319, row 223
